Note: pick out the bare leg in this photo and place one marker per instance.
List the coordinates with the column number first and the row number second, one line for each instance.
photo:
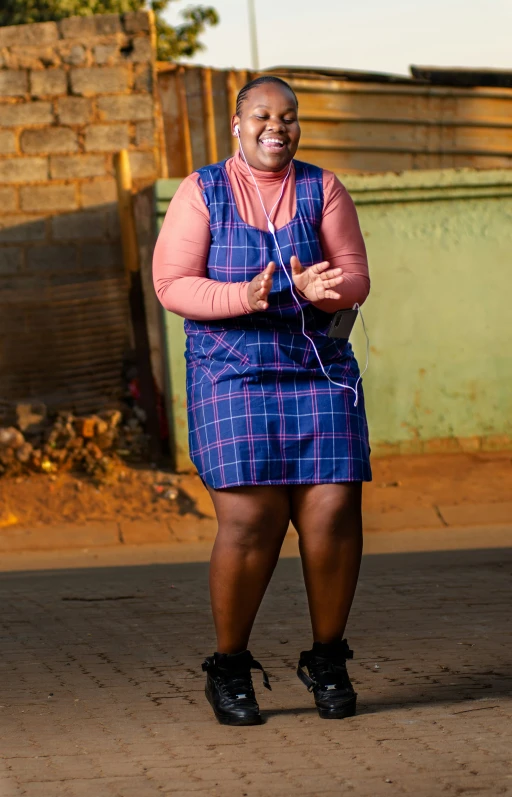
column 328, row 520
column 252, row 524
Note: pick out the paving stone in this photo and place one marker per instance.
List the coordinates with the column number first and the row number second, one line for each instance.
column 121, row 649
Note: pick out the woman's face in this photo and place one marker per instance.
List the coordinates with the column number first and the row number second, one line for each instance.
column 269, row 127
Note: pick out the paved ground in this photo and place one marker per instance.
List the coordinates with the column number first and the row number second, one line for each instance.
column 101, row 689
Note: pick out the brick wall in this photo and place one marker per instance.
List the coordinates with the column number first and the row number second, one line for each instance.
column 71, row 95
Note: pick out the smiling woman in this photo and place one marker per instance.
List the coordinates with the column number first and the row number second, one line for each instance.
column 273, row 431
column 269, row 150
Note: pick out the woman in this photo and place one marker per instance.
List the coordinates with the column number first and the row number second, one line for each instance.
column 275, row 437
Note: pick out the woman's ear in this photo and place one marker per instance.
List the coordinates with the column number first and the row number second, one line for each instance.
column 235, row 125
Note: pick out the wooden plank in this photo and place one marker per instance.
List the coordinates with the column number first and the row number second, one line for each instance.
column 222, row 114
column 171, row 119
column 185, row 122
column 232, row 91
column 148, row 396
column 209, row 116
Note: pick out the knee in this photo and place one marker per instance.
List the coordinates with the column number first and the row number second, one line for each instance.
column 254, row 530
column 337, row 521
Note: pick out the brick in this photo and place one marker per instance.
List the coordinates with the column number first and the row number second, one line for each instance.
column 99, row 192
column 141, row 51
column 470, row 444
column 7, row 142
column 48, row 82
column 27, row 113
column 79, row 225
column 126, row 108
column 38, row 34
column 31, row 57
column 136, row 22
column 106, row 138
column 478, row 514
column 51, row 258
column 106, row 54
column 143, row 78
column 63, row 167
column 8, row 199
column 52, row 139
column 13, row 83
column 10, row 260
column 94, row 80
column 74, row 54
column 21, row 227
column 74, row 110
column 88, row 27
column 142, row 532
column 23, row 170
column 101, row 256
column 142, row 164
column 48, row 197
column 144, row 134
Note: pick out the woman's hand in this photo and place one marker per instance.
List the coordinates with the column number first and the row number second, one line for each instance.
column 259, row 288
column 316, row 282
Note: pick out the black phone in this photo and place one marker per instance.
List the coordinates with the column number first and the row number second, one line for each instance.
column 342, row 323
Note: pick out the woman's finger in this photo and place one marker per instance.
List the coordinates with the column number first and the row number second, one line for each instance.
column 331, row 272
column 331, row 283
column 296, row 265
column 319, row 267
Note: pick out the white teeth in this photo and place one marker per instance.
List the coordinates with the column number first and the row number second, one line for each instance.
column 272, row 141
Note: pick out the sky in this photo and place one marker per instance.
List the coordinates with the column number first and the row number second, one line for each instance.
column 376, row 35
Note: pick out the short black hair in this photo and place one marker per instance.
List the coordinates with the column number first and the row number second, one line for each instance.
column 242, row 94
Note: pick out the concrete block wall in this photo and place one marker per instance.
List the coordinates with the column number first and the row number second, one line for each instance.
column 72, row 94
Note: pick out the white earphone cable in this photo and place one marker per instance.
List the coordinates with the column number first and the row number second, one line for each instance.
column 272, row 231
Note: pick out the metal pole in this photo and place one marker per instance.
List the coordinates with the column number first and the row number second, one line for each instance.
column 253, row 35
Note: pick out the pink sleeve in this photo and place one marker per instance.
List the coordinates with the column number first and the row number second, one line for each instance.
column 343, row 246
column 179, row 263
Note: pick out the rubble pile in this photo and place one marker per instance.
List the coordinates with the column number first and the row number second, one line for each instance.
column 92, row 444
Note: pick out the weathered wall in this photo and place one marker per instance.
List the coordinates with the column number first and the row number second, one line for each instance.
column 438, row 316
column 71, row 95
column 440, row 251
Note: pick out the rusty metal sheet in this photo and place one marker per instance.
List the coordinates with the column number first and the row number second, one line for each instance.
column 463, row 76
column 63, row 344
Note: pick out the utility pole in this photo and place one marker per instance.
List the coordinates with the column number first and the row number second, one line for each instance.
column 253, row 35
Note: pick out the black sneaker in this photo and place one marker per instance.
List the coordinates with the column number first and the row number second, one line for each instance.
column 229, row 688
column 328, row 679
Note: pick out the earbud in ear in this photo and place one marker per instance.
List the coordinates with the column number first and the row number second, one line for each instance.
column 237, row 130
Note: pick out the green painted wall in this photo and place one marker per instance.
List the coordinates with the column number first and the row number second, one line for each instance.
column 439, row 313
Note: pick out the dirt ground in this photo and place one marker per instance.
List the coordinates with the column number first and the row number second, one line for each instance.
column 399, row 483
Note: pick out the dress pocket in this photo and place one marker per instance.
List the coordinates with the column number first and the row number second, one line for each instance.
column 224, row 353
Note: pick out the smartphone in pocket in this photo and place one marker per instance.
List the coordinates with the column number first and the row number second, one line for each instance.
column 342, row 324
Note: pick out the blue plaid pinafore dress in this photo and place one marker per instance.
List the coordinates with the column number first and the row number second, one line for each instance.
column 260, row 410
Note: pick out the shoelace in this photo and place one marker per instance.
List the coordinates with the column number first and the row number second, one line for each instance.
column 319, row 668
column 238, row 681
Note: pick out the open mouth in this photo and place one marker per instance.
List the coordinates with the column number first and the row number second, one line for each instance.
column 272, row 144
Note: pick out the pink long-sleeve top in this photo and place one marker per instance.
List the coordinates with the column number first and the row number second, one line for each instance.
column 181, row 252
